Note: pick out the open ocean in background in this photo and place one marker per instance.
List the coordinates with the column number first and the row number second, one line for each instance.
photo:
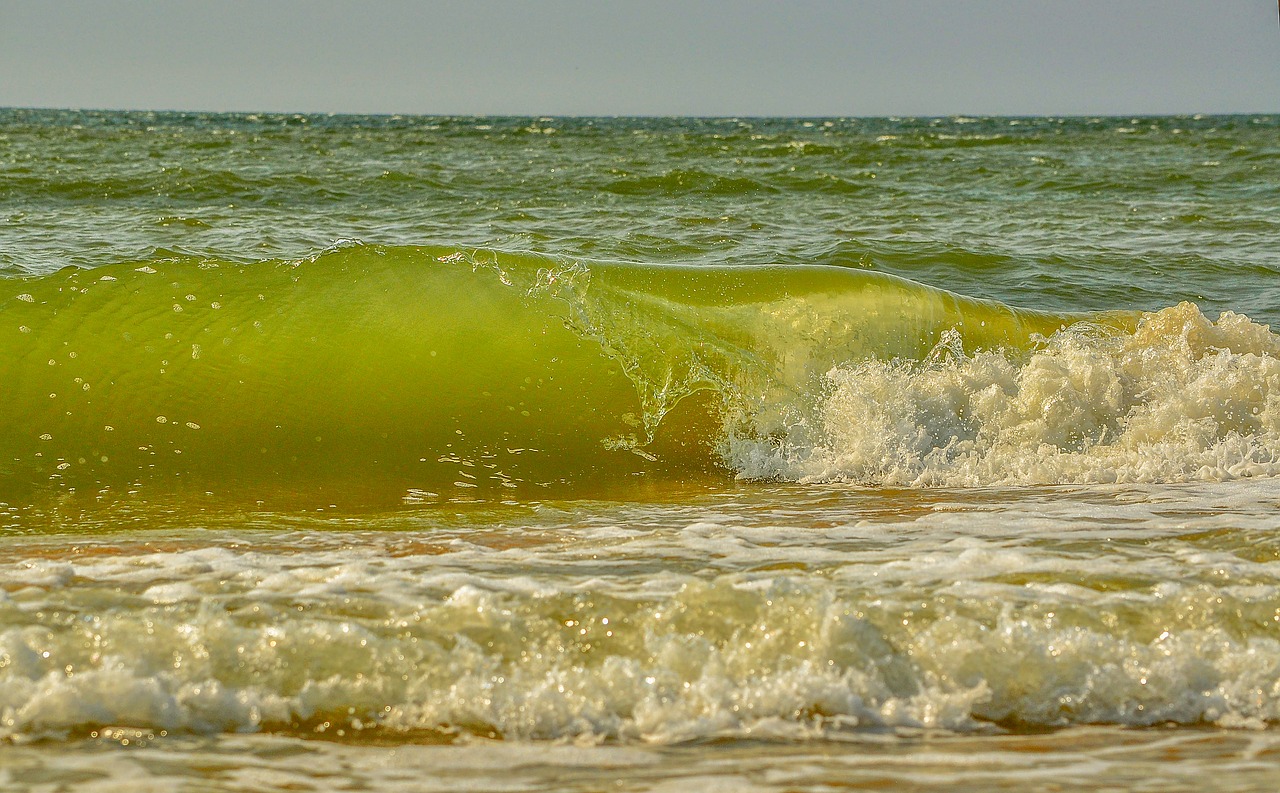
column 639, row 454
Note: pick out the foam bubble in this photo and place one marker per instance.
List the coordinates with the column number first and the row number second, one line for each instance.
column 935, row 640
column 1180, row 399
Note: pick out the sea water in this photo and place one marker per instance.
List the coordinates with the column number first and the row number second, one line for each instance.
column 387, row 452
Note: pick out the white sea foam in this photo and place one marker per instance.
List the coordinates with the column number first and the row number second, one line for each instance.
column 1180, row 399
column 699, row 630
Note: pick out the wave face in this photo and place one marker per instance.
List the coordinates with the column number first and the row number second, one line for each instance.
column 375, row 374
column 432, row 373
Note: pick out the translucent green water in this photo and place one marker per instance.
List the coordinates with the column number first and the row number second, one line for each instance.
column 647, row 454
column 366, row 373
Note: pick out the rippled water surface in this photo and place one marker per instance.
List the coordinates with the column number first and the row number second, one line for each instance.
column 638, row 454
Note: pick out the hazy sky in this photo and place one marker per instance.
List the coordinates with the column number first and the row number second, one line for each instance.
column 685, row 57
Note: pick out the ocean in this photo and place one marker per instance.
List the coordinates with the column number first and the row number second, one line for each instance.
column 642, row 454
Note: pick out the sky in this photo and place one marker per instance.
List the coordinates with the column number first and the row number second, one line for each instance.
column 656, row 57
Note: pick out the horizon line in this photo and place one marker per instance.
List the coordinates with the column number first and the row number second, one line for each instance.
column 713, row 116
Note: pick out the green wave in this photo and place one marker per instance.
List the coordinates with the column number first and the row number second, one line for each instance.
column 371, row 374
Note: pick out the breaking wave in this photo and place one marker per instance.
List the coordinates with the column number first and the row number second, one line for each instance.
column 369, row 373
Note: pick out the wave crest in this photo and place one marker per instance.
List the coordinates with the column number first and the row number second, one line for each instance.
column 1181, row 398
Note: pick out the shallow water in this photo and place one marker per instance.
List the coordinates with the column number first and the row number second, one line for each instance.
column 1097, row 758
column 620, row 456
